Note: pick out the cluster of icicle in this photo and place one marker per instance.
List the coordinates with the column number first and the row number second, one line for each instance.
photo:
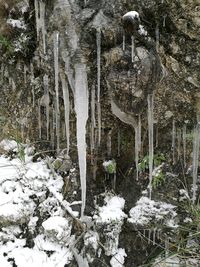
column 79, row 86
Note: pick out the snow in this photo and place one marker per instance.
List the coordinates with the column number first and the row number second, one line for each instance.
column 15, row 23
column 58, row 226
column 23, row 193
column 131, row 14
column 8, row 145
column 118, row 259
column 112, row 211
column 147, row 211
column 142, row 31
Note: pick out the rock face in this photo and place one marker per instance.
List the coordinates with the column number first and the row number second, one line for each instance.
column 155, row 51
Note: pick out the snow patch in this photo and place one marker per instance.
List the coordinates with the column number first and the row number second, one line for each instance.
column 118, row 259
column 147, row 211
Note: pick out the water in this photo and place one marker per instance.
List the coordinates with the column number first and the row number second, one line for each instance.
column 98, row 41
column 151, row 138
column 56, row 71
column 81, row 108
column 67, row 109
column 195, row 161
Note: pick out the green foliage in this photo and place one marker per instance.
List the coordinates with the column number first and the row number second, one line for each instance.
column 110, row 167
column 5, row 44
column 158, row 179
column 144, row 163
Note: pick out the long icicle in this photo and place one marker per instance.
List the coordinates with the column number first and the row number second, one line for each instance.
column 42, row 24
column 57, row 109
column 132, row 48
column 81, row 108
column 46, row 93
column 67, row 108
column 184, row 144
column 173, row 140
column 196, row 140
column 98, row 40
column 151, row 139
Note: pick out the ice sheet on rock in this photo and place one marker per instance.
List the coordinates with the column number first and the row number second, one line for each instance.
column 118, row 259
column 147, row 211
column 112, row 211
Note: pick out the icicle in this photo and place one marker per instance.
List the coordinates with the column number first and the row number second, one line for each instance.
column 150, row 133
column 98, row 40
column 124, row 42
column 66, row 105
column 173, row 140
column 157, row 37
column 154, row 236
column 53, row 128
column 25, row 76
column 93, row 107
column 196, row 140
column 93, row 122
column 46, row 94
column 184, row 144
column 149, row 236
column 166, row 246
column 132, row 48
column 32, row 85
column 81, row 108
column 39, row 120
column 57, row 109
column 118, row 143
column 42, row 24
column 114, row 181
column 179, row 143
column 156, row 135
column 164, row 20
column 109, row 143
column 37, row 17
column 136, row 150
column 139, row 134
column 13, row 85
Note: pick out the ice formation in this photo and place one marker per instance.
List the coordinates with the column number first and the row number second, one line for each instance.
column 98, row 36
column 151, row 139
column 56, row 72
column 67, row 108
column 81, row 108
column 196, row 143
